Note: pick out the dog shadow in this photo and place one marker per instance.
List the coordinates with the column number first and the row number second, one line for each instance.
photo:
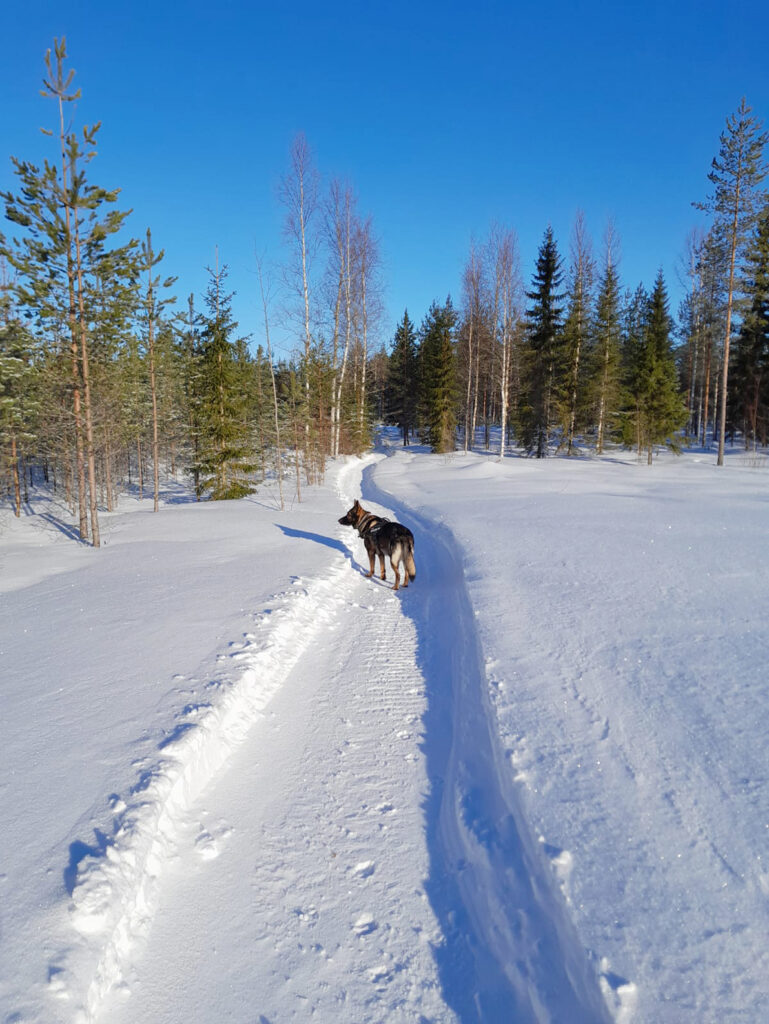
column 318, row 538
column 337, row 545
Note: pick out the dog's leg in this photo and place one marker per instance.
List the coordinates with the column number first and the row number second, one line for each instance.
column 382, row 573
column 397, row 574
column 371, row 562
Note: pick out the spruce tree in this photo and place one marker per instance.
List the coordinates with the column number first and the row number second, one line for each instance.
column 225, row 462
column 660, row 406
column 403, row 380
column 546, row 362
column 606, row 355
column 750, row 376
column 437, row 361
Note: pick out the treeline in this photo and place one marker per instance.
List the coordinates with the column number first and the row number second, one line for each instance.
column 107, row 380
column 576, row 362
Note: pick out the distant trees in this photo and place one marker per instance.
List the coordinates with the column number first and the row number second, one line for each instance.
column 102, row 381
column 106, row 381
column 19, row 392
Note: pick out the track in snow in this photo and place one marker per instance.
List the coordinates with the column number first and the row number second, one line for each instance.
column 510, row 950
column 497, row 944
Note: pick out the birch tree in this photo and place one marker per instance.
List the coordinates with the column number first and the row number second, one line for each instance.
column 503, row 258
column 299, row 193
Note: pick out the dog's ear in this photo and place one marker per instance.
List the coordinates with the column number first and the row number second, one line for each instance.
column 357, row 504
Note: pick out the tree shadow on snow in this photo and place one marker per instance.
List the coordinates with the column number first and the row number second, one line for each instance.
column 68, row 529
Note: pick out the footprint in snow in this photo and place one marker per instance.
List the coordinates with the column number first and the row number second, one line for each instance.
column 365, row 925
column 380, row 975
column 364, row 869
column 207, row 846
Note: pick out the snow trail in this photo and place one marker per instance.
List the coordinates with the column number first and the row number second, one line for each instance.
column 325, row 804
column 373, row 893
column 511, row 950
column 115, row 889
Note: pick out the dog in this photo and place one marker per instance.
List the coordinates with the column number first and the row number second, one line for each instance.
column 385, row 539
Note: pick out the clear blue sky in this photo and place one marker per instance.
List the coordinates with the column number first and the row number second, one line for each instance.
column 444, row 117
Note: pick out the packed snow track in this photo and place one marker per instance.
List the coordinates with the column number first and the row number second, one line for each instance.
column 366, row 892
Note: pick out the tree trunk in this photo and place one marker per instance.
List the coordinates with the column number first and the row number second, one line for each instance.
column 15, row 473
column 727, row 338
column 95, row 537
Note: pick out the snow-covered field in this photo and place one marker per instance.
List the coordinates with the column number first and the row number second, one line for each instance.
column 241, row 782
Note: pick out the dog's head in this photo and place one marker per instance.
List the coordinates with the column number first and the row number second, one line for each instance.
column 353, row 516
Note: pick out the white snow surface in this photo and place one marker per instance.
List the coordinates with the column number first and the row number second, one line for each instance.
column 239, row 781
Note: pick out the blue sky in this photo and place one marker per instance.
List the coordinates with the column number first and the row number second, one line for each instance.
column 443, row 117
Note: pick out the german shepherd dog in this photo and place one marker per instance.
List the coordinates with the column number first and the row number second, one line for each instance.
column 385, row 539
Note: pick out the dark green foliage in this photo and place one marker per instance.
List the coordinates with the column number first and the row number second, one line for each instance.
column 226, row 458
column 437, row 370
column 19, row 390
column 403, row 379
column 577, row 332
column 657, row 408
column 605, row 376
column 546, row 357
column 749, row 379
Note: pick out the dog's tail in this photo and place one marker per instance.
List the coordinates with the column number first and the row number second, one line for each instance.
column 408, row 560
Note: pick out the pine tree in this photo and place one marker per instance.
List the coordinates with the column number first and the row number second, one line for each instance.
column 403, row 379
column 438, row 377
column 546, row 365
column 225, row 460
column 66, row 222
column 736, row 176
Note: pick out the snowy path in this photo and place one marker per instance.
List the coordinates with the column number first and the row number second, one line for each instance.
column 363, row 891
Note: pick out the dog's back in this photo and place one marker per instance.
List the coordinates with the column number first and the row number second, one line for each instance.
column 384, row 539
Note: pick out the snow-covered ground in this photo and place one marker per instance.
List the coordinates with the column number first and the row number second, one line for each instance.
column 242, row 782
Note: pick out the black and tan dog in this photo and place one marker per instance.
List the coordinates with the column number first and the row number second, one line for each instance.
column 385, row 539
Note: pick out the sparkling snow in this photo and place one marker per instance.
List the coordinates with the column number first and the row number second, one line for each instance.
column 242, row 782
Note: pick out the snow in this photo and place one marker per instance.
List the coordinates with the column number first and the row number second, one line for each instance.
column 241, row 781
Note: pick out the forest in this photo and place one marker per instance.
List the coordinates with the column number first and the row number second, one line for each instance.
column 109, row 380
